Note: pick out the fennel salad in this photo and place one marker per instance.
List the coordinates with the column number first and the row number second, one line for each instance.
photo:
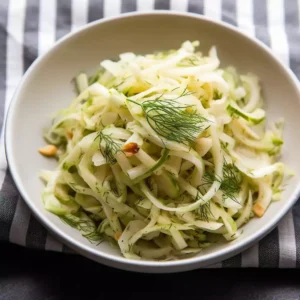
column 163, row 155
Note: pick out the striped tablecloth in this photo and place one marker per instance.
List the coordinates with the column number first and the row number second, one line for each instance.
column 28, row 28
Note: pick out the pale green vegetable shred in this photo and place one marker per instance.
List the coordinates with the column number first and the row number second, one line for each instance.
column 164, row 154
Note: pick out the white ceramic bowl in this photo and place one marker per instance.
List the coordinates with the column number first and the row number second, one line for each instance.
column 46, row 88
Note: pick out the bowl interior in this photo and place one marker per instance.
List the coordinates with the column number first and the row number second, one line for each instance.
column 47, row 88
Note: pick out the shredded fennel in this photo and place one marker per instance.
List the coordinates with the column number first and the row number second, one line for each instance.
column 163, row 154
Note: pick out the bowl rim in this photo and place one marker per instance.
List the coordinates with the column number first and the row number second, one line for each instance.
column 120, row 261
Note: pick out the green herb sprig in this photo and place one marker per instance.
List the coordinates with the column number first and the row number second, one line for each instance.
column 110, row 147
column 85, row 226
column 172, row 120
column 204, row 212
column 230, row 183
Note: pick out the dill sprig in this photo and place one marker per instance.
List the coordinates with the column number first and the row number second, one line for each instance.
column 230, row 183
column 172, row 120
column 110, row 147
column 85, row 226
column 224, row 146
column 204, row 212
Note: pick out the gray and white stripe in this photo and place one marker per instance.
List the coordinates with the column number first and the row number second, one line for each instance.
column 21, row 219
column 280, row 46
column 32, row 27
column 245, row 22
column 145, row 5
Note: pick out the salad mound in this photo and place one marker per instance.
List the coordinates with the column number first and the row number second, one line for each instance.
column 163, row 154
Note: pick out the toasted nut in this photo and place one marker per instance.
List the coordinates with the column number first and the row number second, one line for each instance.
column 190, row 110
column 117, row 235
column 49, row 150
column 69, row 134
column 258, row 210
column 128, row 154
column 130, row 149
